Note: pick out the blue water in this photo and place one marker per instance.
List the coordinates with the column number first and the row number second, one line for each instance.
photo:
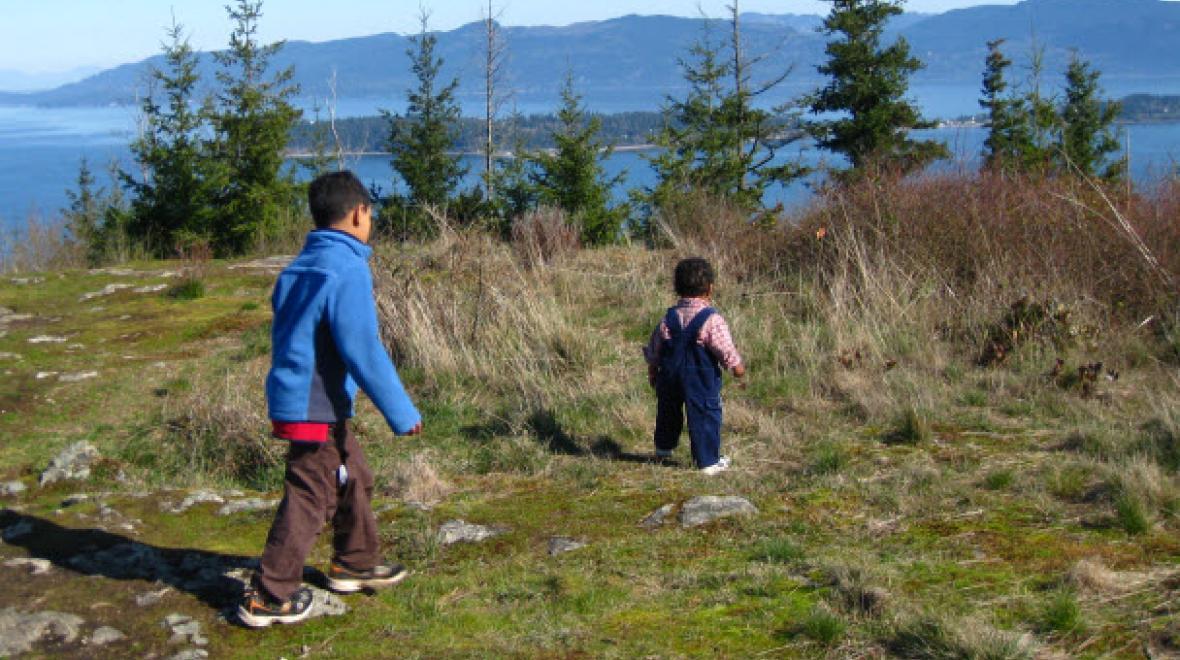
column 40, row 150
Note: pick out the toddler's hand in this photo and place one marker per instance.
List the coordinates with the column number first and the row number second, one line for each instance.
column 739, row 373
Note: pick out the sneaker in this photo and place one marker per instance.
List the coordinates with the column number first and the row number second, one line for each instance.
column 259, row 610
column 663, row 454
column 344, row 580
column 721, row 465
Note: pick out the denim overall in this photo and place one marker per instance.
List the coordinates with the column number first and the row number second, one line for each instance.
column 689, row 381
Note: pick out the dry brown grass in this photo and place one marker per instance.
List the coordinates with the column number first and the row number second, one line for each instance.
column 416, row 481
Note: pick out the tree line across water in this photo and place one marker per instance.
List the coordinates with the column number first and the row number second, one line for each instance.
column 209, row 173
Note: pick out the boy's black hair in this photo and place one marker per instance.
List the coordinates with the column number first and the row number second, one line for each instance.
column 693, row 277
column 334, row 195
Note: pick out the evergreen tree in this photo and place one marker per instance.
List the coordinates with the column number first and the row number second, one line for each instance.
column 573, row 178
column 715, row 140
column 868, row 84
column 516, row 194
column 98, row 218
column 697, row 145
column 1086, row 140
column 252, row 119
column 1009, row 141
column 84, row 214
column 421, row 141
column 171, row 200
column 1041, row 118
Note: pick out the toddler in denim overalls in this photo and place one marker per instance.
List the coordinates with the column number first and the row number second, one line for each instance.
column 685, row 357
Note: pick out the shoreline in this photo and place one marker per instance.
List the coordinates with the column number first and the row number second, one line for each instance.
column 304, row 155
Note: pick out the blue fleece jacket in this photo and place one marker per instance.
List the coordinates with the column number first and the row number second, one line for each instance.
column 325, row 339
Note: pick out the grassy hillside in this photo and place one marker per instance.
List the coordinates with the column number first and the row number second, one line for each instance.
column 940, row 470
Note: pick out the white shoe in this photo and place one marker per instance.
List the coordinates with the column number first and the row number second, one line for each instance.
column 721, row 465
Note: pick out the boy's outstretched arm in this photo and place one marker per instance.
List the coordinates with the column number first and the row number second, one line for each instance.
column 353, row 320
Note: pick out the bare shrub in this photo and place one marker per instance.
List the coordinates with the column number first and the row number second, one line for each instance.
column 543, row 236
column 977, row 236
column 41, row 245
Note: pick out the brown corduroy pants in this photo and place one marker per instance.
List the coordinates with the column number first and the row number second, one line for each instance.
column 313, row 496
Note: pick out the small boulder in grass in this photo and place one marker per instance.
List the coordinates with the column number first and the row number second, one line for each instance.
column 12, row 488
column 658, row 517
column 461, row 531
column 707, row 508
column 559, row 545
column 74, row 462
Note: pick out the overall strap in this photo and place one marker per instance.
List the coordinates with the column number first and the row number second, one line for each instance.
column 672, row 322
column 698, row 322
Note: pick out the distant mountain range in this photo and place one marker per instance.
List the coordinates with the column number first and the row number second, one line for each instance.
column 632, row 61
column 23, row 81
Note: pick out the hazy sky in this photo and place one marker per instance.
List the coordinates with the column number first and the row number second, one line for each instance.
column 55, row 35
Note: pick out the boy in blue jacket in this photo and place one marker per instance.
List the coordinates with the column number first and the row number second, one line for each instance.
column 325, row 343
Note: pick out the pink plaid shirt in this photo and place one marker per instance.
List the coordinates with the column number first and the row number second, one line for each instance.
column 714, row 335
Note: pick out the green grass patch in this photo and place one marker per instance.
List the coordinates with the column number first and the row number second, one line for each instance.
column 909, row 428
column 1061, row 613
column 779, row 550
column 824, row 626
column 187, row 289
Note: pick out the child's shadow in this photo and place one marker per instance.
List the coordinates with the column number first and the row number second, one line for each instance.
column 216, row 579
column 544, row 427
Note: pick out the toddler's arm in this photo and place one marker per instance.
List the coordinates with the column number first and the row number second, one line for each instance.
column 651, row 352
column 717, row 338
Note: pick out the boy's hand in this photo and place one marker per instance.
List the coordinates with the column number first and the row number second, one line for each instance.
column 652, row 372
column 739, row 372
column 417, row 430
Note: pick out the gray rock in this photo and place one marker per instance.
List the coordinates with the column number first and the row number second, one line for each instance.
column 10, row 488
column 657, row 517
column 151, row 288
column 190, row 654
column 47, row 339
column 72, row 463
column 151, row 597
column 20, row 631
column 185, row 630
column 26, row 281
column 707, row 508
column 8, row 316
column 275, row 263
column 460, row 531
column 76, row 498
column 563, row 544
column 199, row 497
column 10, row 356
column 78, row 377
column 14, row 532
column 105, row 291
column 35, row 566
column 250, row 504
column 325, row 603
column 105, row 635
